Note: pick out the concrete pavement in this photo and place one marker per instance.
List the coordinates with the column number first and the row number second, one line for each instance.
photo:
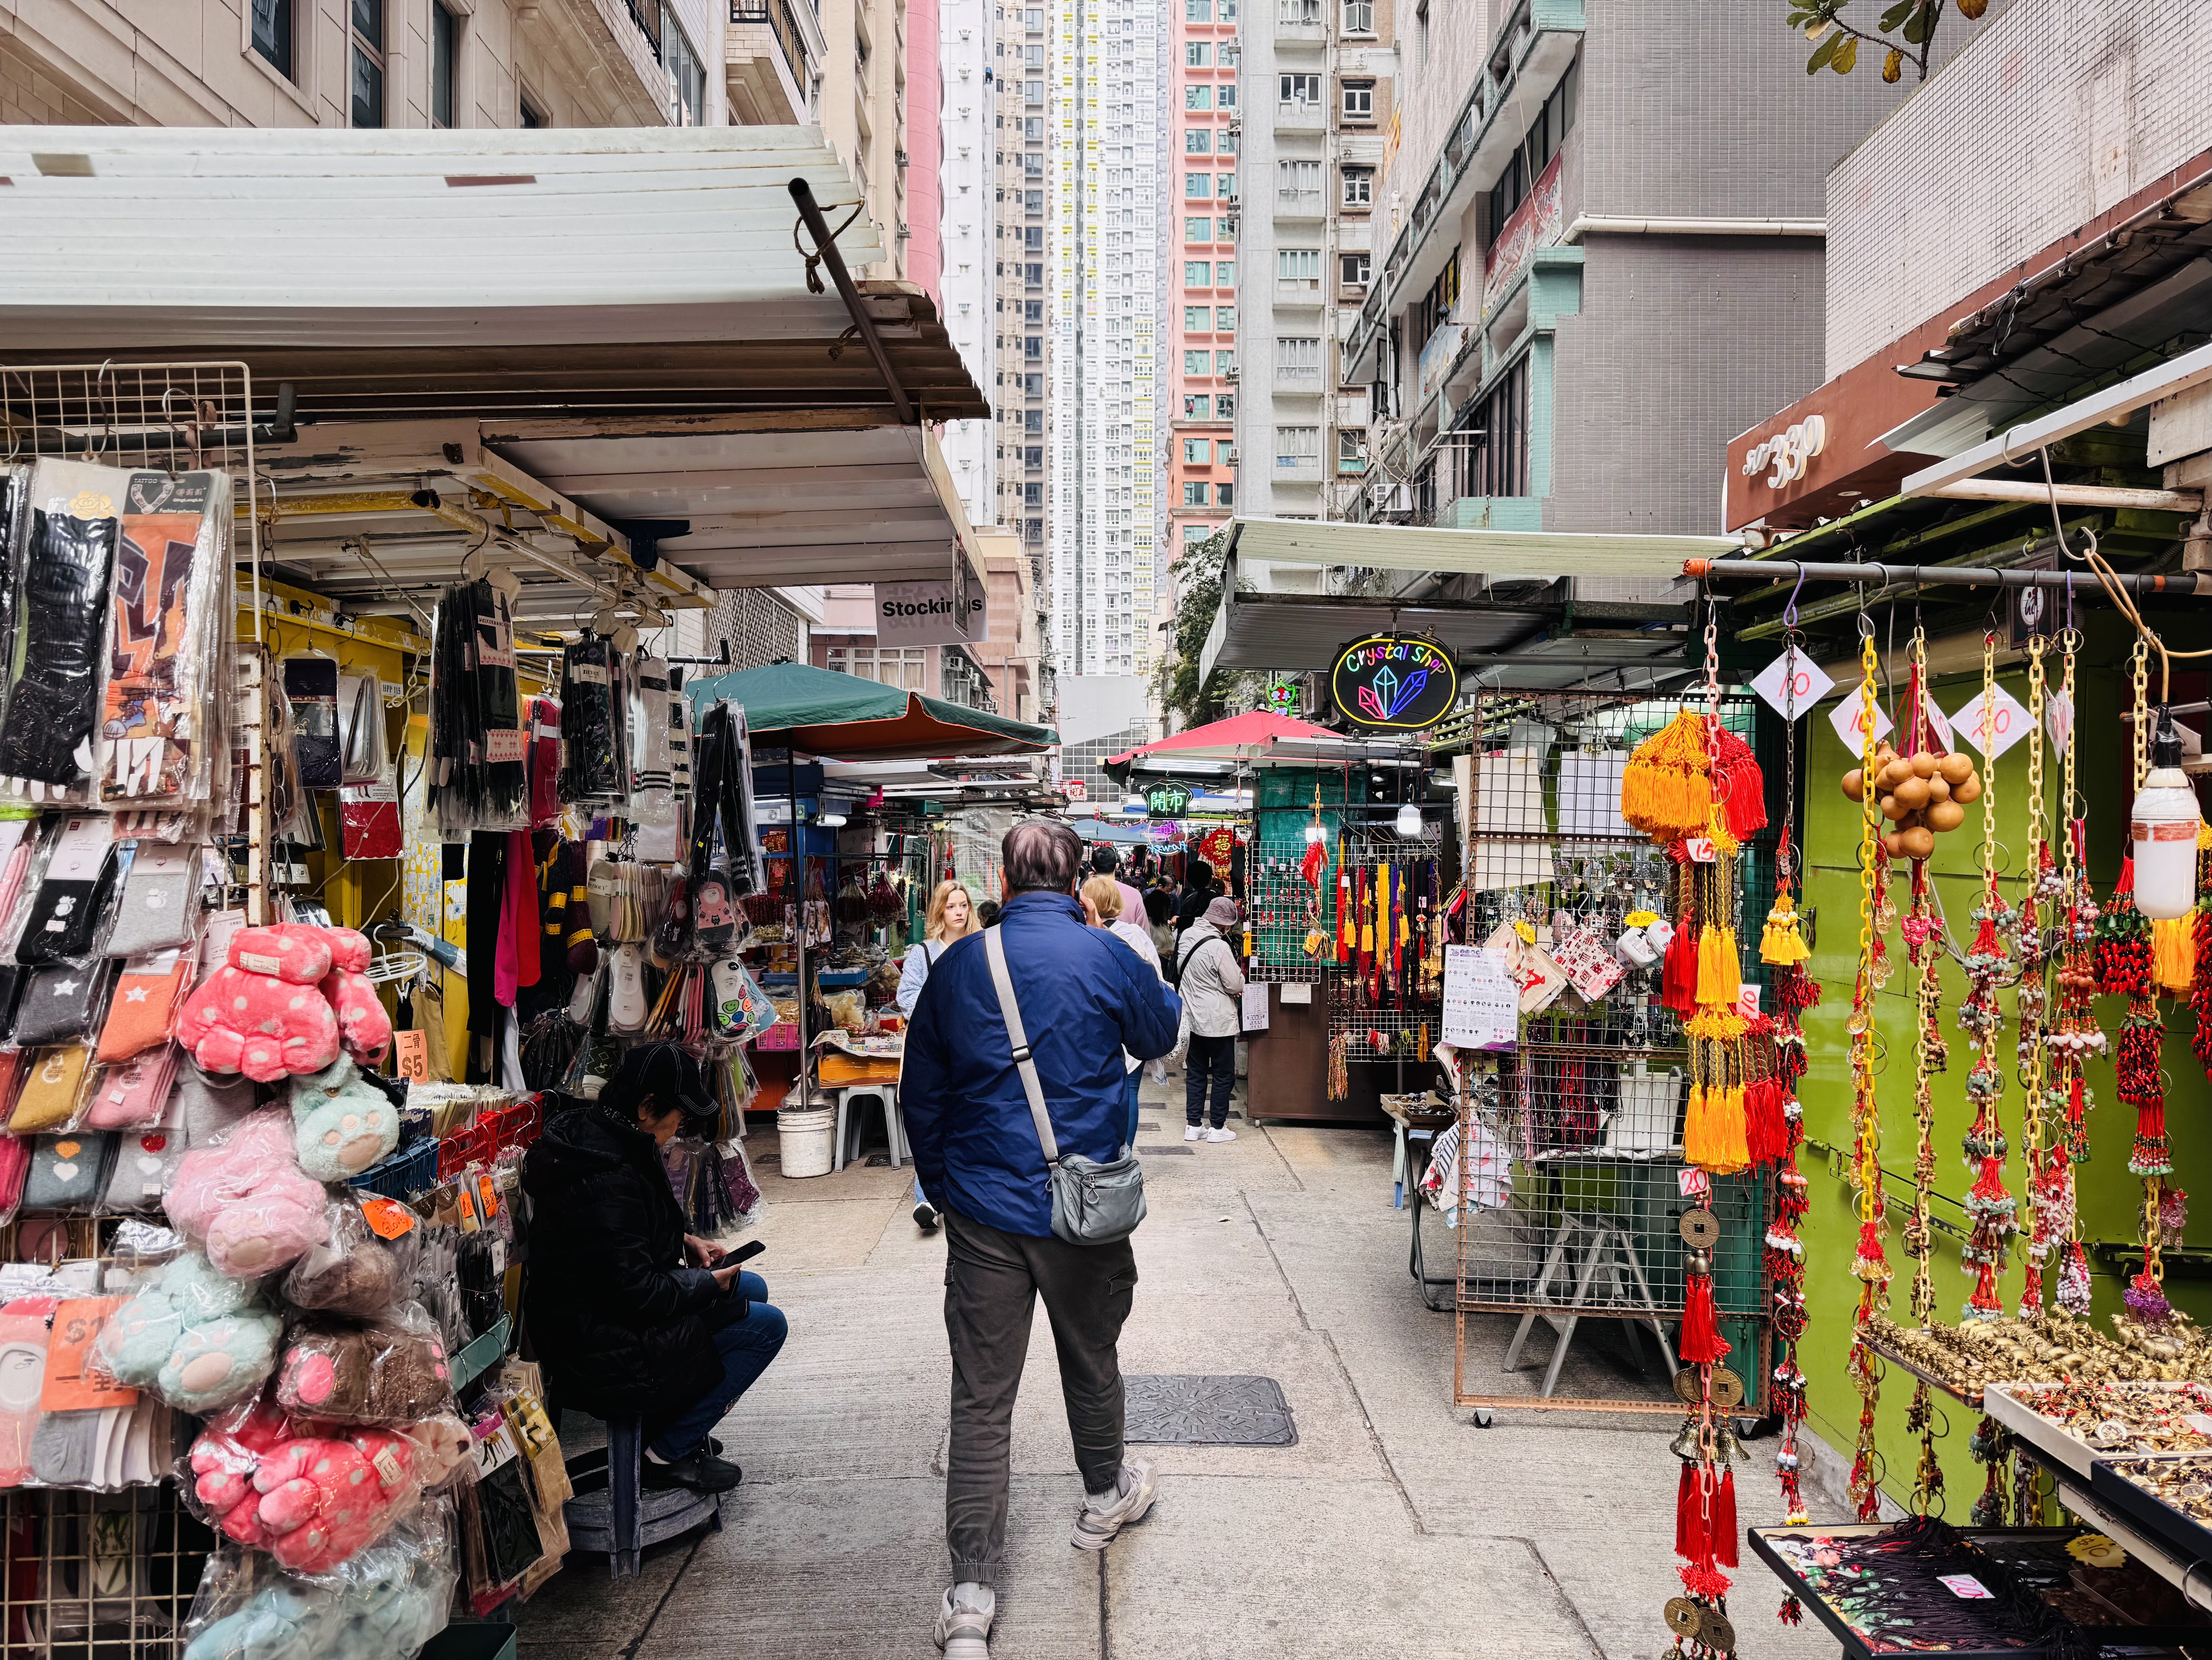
column 1394, row 1528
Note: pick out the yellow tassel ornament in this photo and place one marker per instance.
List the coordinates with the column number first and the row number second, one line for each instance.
column 1783, row 942
column 1667, row 790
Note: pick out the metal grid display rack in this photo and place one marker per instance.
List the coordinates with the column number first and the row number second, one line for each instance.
column 1585, row 1119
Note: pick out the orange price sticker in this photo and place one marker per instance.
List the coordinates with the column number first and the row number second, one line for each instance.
column 72, row 1383
column 387, row 1218
column 414, row 1055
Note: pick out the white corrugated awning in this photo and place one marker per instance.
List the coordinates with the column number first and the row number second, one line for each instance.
column 402, row 237
column 1498, row 553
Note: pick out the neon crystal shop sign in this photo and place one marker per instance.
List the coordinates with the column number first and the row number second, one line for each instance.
column 1387, row 681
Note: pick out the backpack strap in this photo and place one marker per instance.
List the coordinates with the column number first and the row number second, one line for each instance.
column 994, row 948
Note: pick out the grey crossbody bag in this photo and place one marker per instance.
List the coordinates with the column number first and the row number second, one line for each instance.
column 1092, row 1204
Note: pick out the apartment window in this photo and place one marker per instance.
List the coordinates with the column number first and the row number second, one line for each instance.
column 1359, row 187
column 1298, row 182
column 1032, row 92
column 1033, row 386
column 1297, row 359
column 1198, row 141
column 1197, row 186
column 1033, row 313
column 1193, row 493
column 1297, row 270
column 1297, row 14
column 365, row 55
column 445, row 43
column 1224, row 495
column 1197, row 274
column 905, row 667
column 1359, row 16
column 1197, row 406
column 1352, row 269
column 1194, row 534
column 1545, row 134
column 1229, row 94
column 1226, row 449
column 1033, row 19
column 1225, row 406
column 1225, row 273
column 1198, row 362
column 1224, row 318
column 1197, row 320
column 1198, row 54
column 1198, row 97
column 1497, row 463
column 1033, row 165
column 1228, row 11
column 1230, row 57
column 1198, row 452
column 1033, row 420
column 1198, row 230
column 1033, row 56
column 687, row 77
column 1033, row 238
column 1224, row 362
column 1033, row 275
column 527, row 114
column 1297, row 447
column 1225, row 186
column 1300, row 89
column 1359, row 101
column 1033, row 348
column 1228, row 144
column 1033, row 494
column 1033, row 454
column 1032, row 201
column 1198, row 11
column 273, row 35
column 1033, row 130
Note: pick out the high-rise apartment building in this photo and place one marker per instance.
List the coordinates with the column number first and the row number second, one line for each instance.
column 1024, row 302
column 1319, row 78
column 863, row 107
column 970, row 232
column 1201, row 209
column 1103, row 121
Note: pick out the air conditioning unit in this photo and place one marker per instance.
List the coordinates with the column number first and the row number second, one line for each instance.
column 1232, row 375
column 1389, row 497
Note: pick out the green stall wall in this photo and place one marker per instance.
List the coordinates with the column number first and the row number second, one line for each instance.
column 2109, row 1196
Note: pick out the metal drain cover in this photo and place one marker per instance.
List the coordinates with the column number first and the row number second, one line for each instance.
column 1161, row 1152
column 1208, row 1411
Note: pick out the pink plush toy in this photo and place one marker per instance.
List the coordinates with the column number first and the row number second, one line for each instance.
column 312, row 1494
column 364, row 1028
column 246, row 1201
column 263, row 1013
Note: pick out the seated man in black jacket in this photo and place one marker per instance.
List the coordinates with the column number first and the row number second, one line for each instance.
column 627, row 1312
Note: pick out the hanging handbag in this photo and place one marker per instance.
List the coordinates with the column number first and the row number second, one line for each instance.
column 1092, row 1203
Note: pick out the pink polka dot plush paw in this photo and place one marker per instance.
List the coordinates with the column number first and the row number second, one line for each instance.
column 364, row 1028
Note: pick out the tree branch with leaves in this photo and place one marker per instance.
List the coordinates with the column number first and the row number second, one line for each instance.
column 1905, row 33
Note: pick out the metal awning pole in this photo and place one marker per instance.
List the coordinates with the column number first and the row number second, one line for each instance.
column 2179, row 585
column 825, row 246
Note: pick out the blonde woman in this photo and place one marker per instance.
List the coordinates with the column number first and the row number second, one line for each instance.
column 1102, row 900
column 951, row 914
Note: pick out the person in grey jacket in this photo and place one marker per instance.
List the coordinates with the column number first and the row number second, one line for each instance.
column 1211, row 982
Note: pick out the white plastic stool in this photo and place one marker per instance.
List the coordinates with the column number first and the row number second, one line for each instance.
column 886, row 1096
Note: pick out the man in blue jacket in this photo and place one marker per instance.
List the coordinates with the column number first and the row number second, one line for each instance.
column 1083, row 998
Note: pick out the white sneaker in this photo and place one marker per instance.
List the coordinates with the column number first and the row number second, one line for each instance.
column 1225, row 1134
column 1193, row 1132
column 1096, row 1527
column 963, row 1624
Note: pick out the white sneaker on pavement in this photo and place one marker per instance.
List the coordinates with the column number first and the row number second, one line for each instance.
column 1097, row 1523
column 1193, row 1132
column 963, row 1624
column 1225, row 1134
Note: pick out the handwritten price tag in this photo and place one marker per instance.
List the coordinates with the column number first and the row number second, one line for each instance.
column 1992, row 723
column 1845, row 718
column 1793, row 683
column 414, row 1057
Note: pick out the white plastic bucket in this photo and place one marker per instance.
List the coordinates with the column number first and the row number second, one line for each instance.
column 803, row 1137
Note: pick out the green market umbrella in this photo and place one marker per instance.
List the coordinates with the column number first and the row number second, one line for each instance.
column 847, row 718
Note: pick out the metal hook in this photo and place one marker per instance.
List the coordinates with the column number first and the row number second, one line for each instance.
column 1789, row 609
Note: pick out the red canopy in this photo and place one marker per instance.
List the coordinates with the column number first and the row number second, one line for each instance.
column 1239, row 737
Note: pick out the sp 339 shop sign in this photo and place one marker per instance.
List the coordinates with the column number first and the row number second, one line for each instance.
column 1392, row 683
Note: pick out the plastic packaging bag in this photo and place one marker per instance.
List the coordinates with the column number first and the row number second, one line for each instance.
column 62, row 1003
column 386, row 1600
column 66, row 892
column 388, row 1371
column 312, row 1494
column 476, row 773
column 352, row 1273
column 197, row 1339
column 652, row 785
column 363, row 758
column 164, row 734
column 593, row 772
column 56, row 1093
column 66, row 556
column 145, row 1164
column 245, row 1199
column 69, row 1173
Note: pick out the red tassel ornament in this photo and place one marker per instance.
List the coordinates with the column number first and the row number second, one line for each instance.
column 1724, row 1528
column 1701, row 1343
column 1689, row 1518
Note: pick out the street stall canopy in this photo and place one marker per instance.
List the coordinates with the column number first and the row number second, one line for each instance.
column 822, row 711
column 603, row 342
column 1291, row 632
column 1256, row 737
